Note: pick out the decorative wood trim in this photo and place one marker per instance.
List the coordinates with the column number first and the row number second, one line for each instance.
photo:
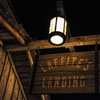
column 44, row 44
column 12, row 30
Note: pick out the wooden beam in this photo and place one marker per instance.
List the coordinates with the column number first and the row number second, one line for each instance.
column 12, row 30
column 44, row 44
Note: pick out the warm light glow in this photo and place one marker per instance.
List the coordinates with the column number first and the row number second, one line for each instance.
column 56, row 39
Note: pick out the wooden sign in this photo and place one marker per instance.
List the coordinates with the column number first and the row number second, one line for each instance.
column 65, row 73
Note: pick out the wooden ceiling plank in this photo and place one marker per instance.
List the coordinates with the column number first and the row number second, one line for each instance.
column 6, row 36
column 12, row 30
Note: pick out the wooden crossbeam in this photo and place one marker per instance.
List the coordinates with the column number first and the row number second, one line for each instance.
column 12, row 30
column 44, row 44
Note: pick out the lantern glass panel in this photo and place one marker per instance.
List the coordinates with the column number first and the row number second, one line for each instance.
column 52, row 25
column 60, row 24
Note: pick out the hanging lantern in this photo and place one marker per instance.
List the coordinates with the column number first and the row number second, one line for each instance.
column 57, row 30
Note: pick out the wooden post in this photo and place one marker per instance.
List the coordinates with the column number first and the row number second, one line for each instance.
column 96, row 70
column 34, row 72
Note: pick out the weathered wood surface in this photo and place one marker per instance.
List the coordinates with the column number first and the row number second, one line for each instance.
column 4, row 77
column 20, row 97
column 23, row 68
column 10, row 84
column 15, row 92
column 17, row 76
column 12, row 30
column 65, row 73
column 2, row 58
column 7, row 13
column 44, row 44
column 9, row 79
column 48, row 62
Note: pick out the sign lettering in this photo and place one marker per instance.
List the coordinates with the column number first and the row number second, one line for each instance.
column 65, row 73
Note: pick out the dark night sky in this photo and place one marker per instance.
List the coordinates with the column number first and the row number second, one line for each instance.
column 82, row 16
column 83, row 19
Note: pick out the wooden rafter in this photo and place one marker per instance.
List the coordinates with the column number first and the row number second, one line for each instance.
column 30, row 58
column 1, row 43
column 44, row 44
column 12, row 30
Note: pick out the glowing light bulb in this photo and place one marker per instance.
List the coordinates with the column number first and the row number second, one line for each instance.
column 56, row 39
